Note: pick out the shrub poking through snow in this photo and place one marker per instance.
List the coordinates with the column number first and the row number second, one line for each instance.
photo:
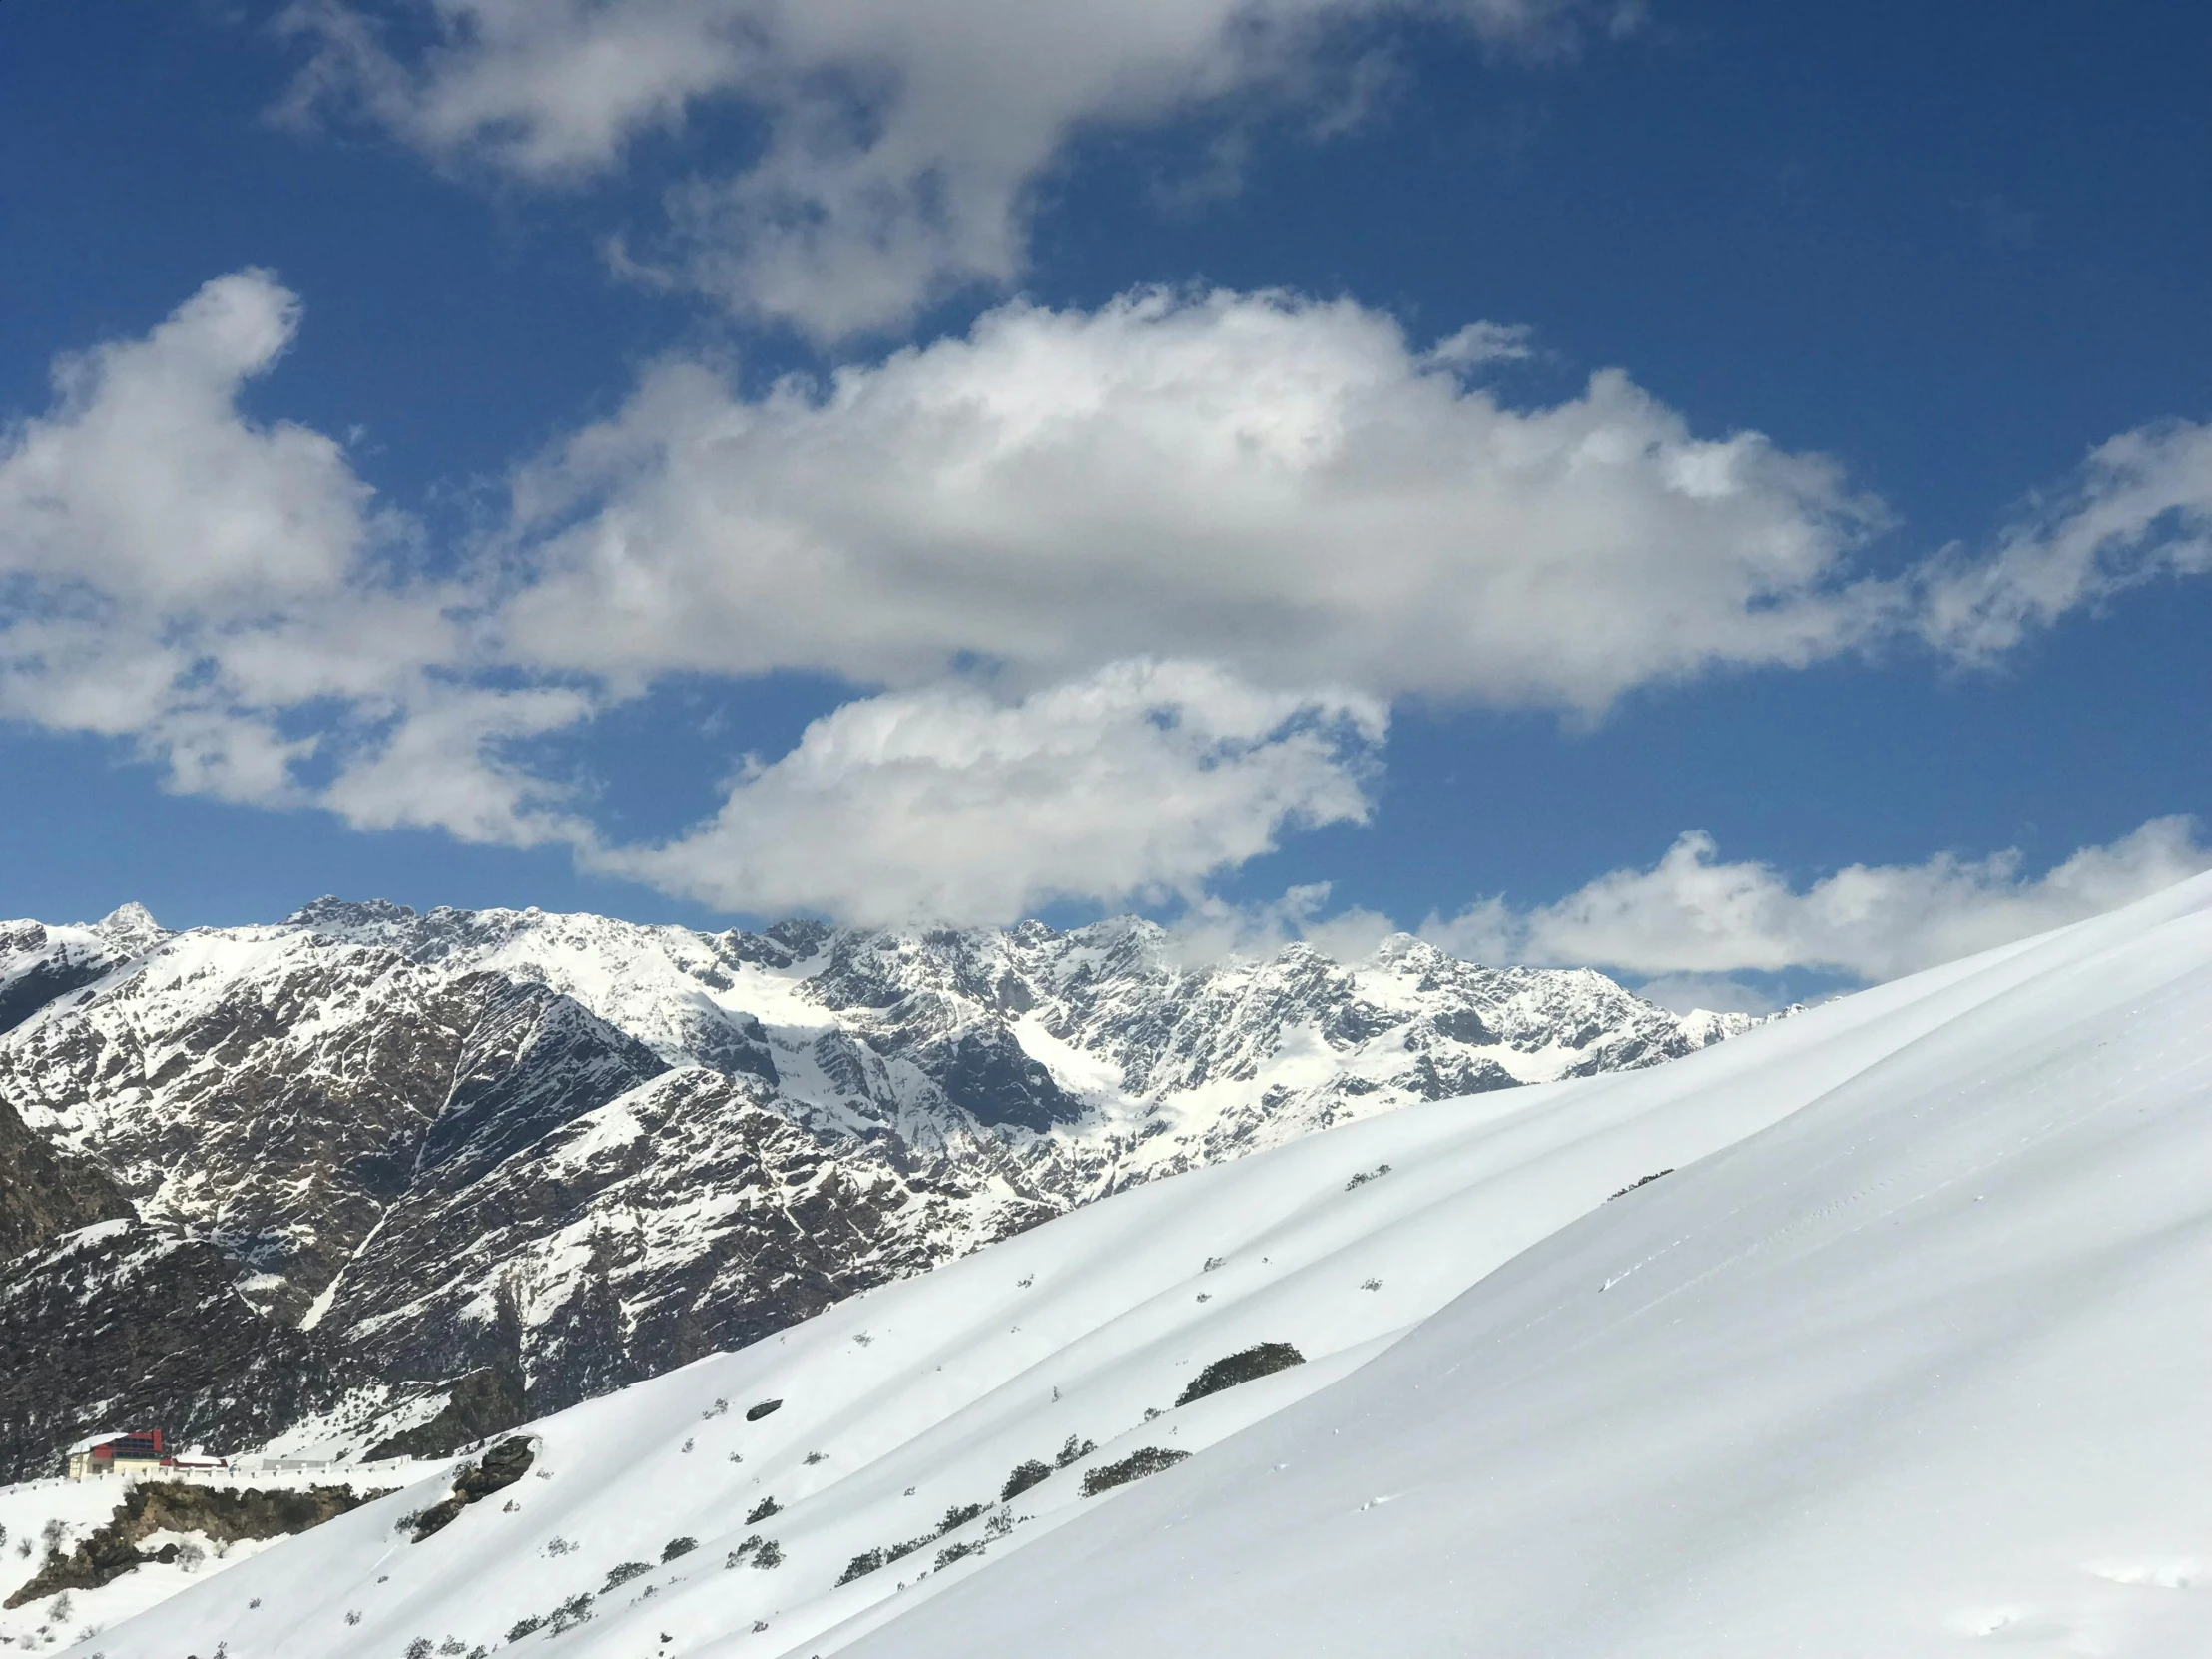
column 678, row 1546
column 762, row 1510
column 757, row 1412
column 1643, row 1181
column 867, row 1561
column 959, row 1516
column 813, row 1457
column 1146, row 1459
column 1240, row 1367
column 571, row 1613
column 753, row 1542
column 621, row 1573
column 1072, row 1452
column 956, row 1552
column 1024, row 1476
column 523, row 1627
column 770, row 1554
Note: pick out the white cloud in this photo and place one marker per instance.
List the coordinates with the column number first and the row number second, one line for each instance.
column 1133, row 784
column 1692, row 915
column 2142, row 509
column 1136, row 589
column 904, row 143
column 225, row 591
column 1281, row 486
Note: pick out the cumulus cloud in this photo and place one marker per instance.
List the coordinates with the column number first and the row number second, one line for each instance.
column 1132, row 785
column 1283, row 486
column 229, row 595
column 1691, row 914
column 1123, row 596
column 902, row 144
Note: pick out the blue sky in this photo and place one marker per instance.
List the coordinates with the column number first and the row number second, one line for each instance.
column 1148, row 525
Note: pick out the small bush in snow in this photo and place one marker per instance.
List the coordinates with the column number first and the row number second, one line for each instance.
column 353, row 1618
column 867, row 1561
column 523, row 1627
column 1242, row 1367
column 64, row 1608
column 1073, row 1451
column 716, row 1409
column 959, row 1516
column 678, row 1546
column 1024, row 1476
column 757, row 1412
column 571, row 1613
column 762, row 1510
column 956, row 1552
column 862, row 1338
column 1000, row 1525
column 813, row 1457
column 741, row 1551
column 1148, row 1459
column 419, row 1648
column 558, row 1545
column 770, row 1554
column 688, row 1443
column 621, row 1574
column 1370, row 1283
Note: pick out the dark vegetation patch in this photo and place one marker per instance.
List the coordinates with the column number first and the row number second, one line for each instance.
column 678, row 1546
column 500, row 1467
column 764, row 1409
column 1146, row 1459
column 1024, row 1476
column 955, row 1517
column 621, row 1574
column 762, row 1510
column 173, row 1506
column 1242, row 1367
column 1072, row 1452
column 1641, row 1180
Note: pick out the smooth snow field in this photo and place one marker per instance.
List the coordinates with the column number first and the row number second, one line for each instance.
column 1910, row 1352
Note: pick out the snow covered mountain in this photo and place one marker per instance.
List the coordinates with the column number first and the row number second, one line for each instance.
column 365, row 1149
column 1876, row 1331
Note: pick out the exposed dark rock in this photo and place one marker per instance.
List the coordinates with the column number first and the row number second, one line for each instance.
column 45, row 1192
column 223, row 1514
column 495, row 1472
column 482, row 1404
column 123, row 1324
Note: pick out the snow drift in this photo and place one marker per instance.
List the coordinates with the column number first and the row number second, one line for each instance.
column 1906, row 1352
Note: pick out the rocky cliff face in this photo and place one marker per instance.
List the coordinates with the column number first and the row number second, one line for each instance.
column 579, row 1151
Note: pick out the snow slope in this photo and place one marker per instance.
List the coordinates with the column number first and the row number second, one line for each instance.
column 1908, row 1352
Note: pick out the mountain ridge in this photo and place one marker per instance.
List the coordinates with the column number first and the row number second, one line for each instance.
column 581, row 1150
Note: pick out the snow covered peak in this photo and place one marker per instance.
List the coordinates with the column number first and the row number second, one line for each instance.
column 130, row 928
column 1896, row 1357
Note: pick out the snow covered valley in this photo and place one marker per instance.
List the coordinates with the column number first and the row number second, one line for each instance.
column 1908, row 1352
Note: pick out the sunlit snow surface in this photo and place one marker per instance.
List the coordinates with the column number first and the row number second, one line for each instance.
column 1910, row 1353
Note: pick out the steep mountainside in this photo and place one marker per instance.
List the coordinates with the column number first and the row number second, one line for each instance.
column 1873, row 1332
column 580, row 1152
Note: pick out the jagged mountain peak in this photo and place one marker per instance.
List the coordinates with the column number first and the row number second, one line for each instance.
column 649, row 1141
